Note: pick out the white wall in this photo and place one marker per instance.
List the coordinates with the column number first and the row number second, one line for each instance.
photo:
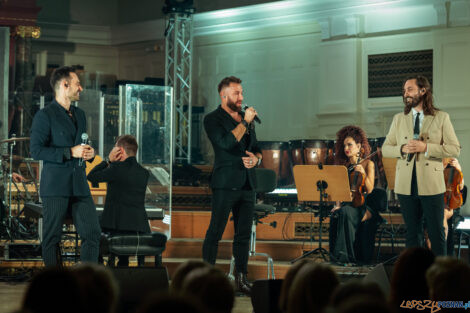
column 306, row 87
column 278, row 67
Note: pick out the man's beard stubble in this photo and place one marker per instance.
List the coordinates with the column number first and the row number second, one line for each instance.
column 233, row 106
column 414, row 101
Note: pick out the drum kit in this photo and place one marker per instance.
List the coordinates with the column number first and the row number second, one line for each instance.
column 11, row 180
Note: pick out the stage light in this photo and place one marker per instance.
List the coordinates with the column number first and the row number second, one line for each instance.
column 179, row 6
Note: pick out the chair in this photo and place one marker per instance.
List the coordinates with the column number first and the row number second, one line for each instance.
column 134, row 245
column 266, row 181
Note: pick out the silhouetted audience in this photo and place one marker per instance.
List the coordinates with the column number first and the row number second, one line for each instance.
column 54, row 290
column 312, row 288
column 99, row 288
column 408, row 280
column 170, row 303
column 448, row 280
column 182, row 271
column 287, row 282
column 363, row 304
column 211, row 288
column 356, row 289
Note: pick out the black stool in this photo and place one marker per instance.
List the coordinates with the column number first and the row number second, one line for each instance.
column 133, row 245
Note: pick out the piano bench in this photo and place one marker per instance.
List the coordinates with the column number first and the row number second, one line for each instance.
column 152, row 244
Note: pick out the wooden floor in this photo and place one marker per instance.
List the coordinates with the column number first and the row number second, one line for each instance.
column 11, row 295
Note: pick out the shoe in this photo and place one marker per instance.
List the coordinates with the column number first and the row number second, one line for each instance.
column 242, row 285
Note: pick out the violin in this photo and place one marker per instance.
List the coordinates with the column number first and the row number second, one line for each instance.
column 357, row 181
column 453, row 196
column 356, row 184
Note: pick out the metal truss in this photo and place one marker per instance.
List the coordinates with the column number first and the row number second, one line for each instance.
column 178, row 64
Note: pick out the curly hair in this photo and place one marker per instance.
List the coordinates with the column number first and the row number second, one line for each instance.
column 358, row 135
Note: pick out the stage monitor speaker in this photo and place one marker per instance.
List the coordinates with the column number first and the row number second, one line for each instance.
column 136, row 283
column 381, row 274
column 265, row 295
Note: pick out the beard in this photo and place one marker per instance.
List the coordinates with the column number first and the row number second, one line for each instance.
column 412, row 102
column 233, row 106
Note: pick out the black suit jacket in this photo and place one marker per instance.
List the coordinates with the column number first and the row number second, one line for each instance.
column 229, row 171
column 124, row 209
column 53, row 133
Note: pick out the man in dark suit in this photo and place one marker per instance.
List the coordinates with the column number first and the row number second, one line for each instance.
column 124, row 210
column 233, row 139
column 56, row 139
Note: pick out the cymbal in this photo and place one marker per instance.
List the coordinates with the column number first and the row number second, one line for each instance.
column 15, row 139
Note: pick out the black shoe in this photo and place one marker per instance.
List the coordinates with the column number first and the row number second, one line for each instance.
column 242, row 284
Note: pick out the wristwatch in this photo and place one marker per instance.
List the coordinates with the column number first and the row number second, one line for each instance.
column 245, row 123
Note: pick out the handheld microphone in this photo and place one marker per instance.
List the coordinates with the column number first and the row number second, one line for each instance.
column 256, row 116
column 410, row 155
column 84, row 142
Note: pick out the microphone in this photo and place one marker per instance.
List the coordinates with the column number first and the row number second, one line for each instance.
column 410, row 155
column 257, row 120
column 84, row 142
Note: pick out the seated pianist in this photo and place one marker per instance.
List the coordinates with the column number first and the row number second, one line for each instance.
column 124, row 209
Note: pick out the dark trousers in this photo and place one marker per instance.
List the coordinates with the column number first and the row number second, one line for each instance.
column 85, row 219
column 347, row 223
column 414, row 208
column 241, row 203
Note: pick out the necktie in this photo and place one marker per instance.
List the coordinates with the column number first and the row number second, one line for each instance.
column 416, row 129
column 71, row 116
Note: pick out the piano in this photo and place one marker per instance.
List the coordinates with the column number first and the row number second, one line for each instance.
column 283, row 199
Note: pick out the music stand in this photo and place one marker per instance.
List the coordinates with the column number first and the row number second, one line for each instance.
column 390, row 165
column 312, row 182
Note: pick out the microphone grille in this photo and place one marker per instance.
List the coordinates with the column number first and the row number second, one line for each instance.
column 84, row 136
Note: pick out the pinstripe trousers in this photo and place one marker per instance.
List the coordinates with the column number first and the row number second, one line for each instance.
column 85, row 220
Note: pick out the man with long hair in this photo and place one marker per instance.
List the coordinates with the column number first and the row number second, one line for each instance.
column 420, row 141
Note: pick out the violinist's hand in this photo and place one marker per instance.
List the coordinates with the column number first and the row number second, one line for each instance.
column 359, row 168
column 455, row 163
column 336, row 207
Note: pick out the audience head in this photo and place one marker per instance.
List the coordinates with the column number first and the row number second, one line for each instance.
column 448, row 279
column 182, row 271
column 211, row 288
column 312, row 288
column 356, row 289
column 408, row 280
column 98, row 286
column 53, row 290
column 363, row 304
column 287, row 282
column 169, row 303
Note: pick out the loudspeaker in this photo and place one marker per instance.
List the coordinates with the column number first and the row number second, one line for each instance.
column 381, row 275
column 136, row 283
column 265, row 295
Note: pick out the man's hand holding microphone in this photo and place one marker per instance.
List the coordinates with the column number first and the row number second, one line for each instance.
column 84, row 151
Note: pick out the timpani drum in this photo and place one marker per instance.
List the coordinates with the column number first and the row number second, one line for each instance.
column 297, row 151
column 315, row 151
column 276, row 157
